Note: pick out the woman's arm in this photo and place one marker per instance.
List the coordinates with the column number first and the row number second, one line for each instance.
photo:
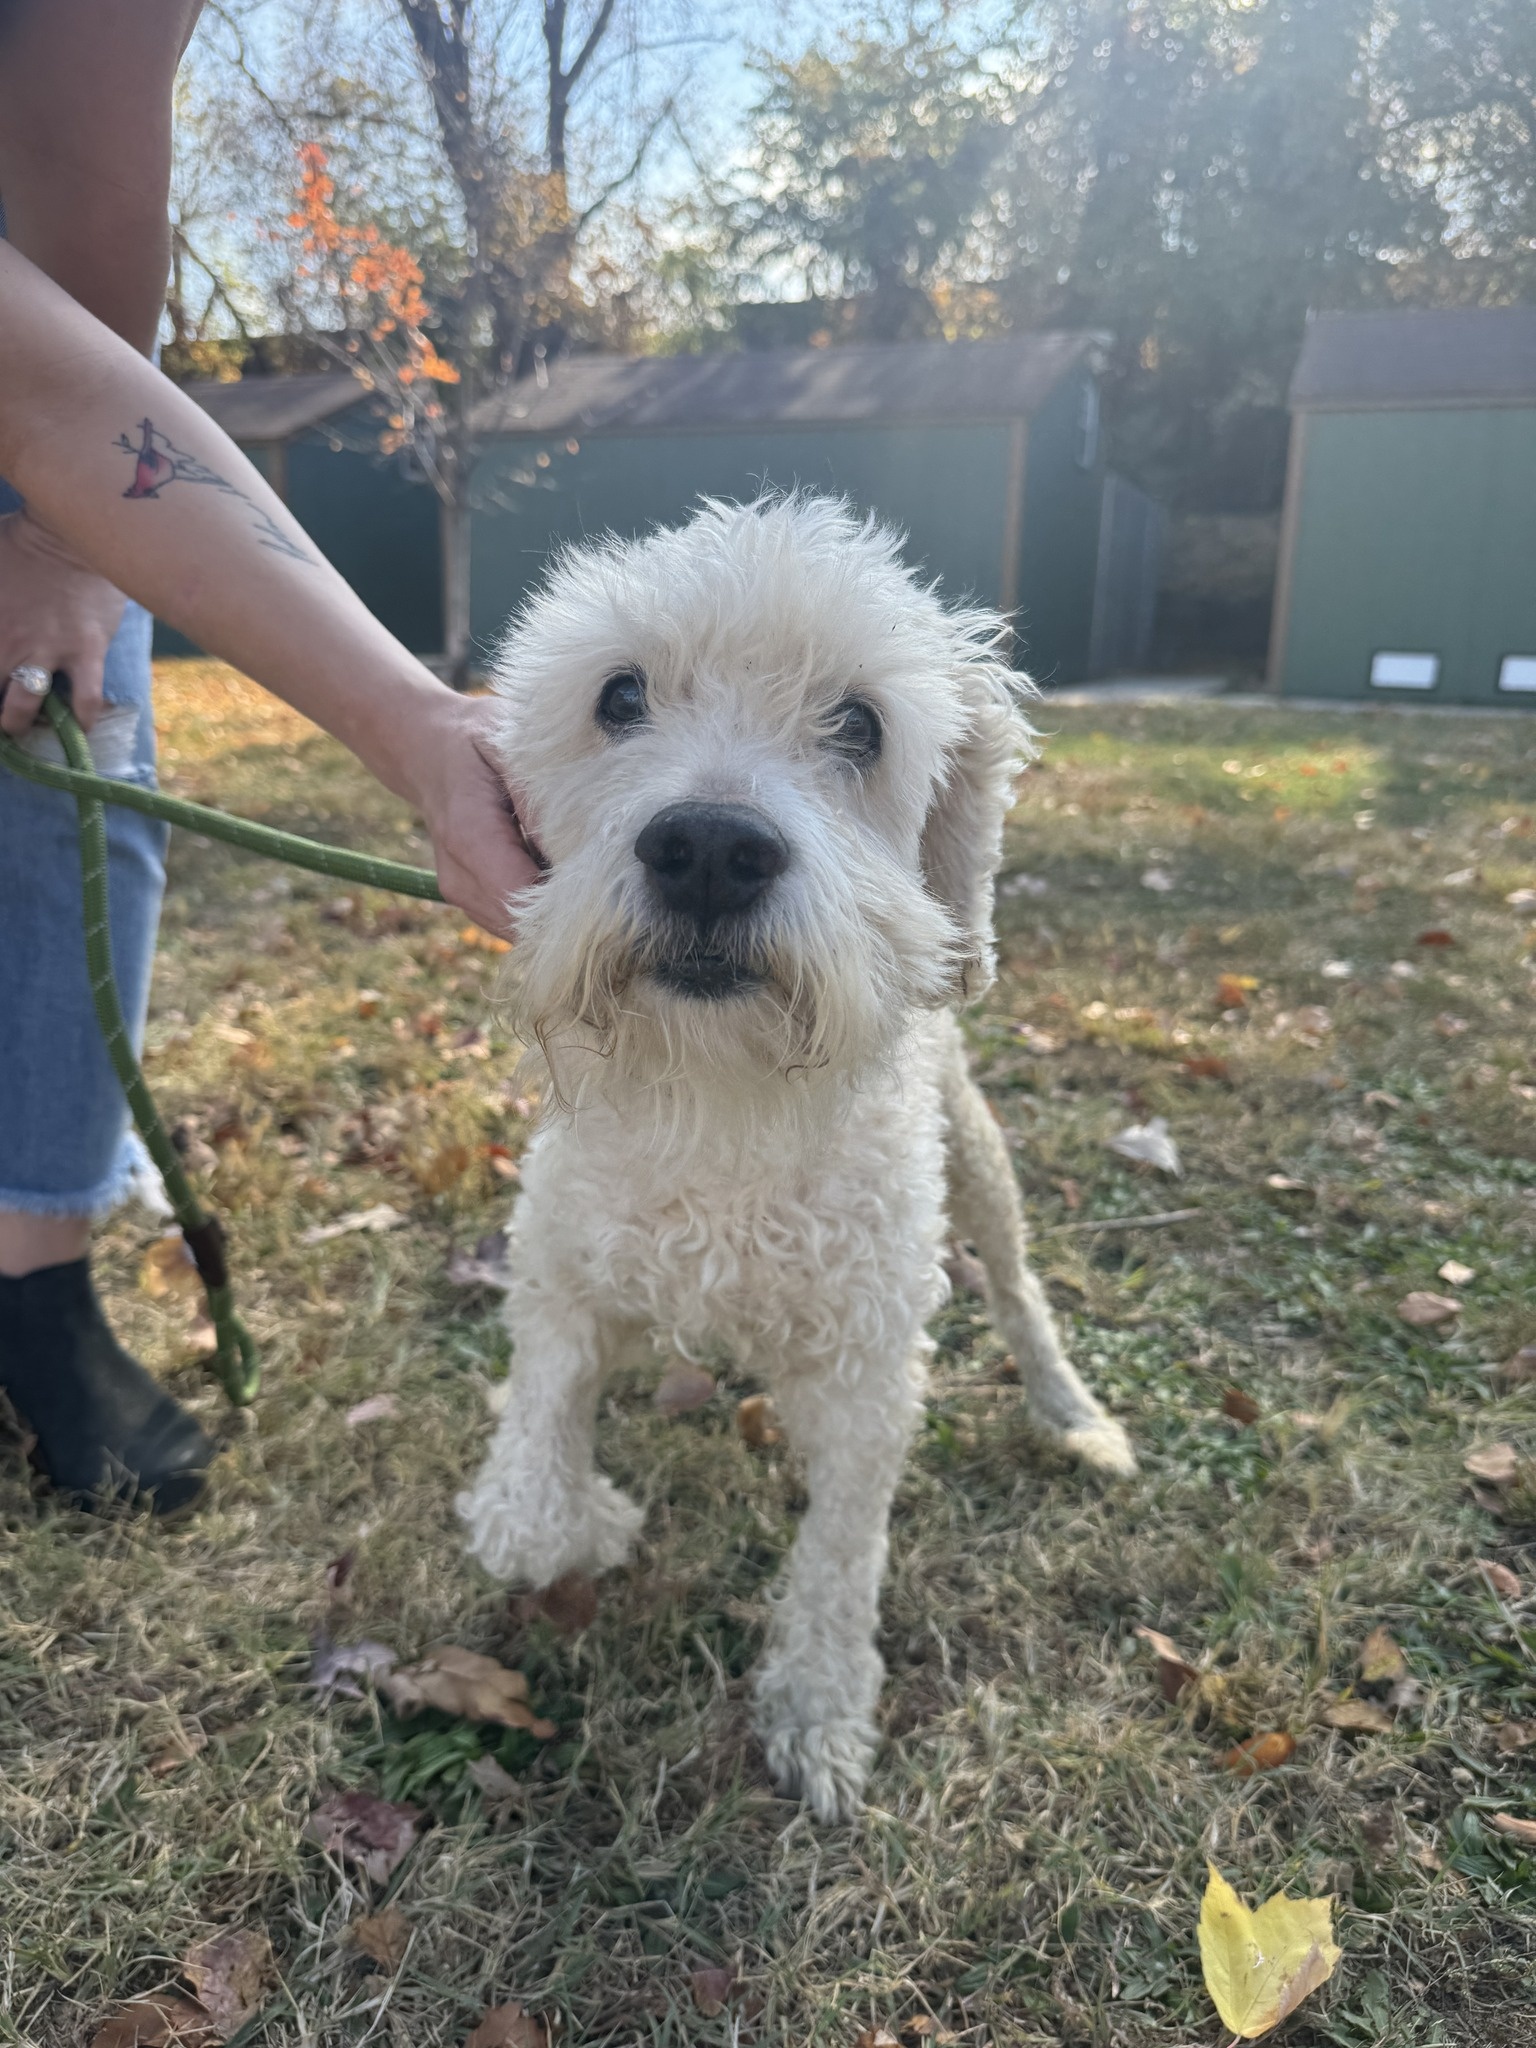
column 125, row 470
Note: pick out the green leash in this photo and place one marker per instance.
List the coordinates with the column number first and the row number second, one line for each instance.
column 235, row 1362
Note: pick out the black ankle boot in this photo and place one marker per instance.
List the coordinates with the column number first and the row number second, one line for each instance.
column 104, row 1428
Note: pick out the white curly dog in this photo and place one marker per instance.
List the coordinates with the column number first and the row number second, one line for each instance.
column 769, row 771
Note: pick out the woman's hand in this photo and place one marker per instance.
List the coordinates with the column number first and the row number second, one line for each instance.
column 444, row 763
column 54, row 613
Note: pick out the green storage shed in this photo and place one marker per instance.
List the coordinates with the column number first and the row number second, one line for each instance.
column 314, row 437
column 1408, row 544
column 987, row 455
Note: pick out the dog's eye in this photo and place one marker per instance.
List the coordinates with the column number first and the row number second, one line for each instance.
column 623, row 701
column 855, row 730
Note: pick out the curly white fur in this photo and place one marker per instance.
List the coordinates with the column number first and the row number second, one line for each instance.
column 767, row 1169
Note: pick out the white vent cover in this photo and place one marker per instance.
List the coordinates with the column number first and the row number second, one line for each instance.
column 1518, row 672
column 1404, row 671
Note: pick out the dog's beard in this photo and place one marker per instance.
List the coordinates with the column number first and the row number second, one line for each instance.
column 623, row 996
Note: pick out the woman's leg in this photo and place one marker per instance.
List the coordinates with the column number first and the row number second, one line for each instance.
column 65, row 1151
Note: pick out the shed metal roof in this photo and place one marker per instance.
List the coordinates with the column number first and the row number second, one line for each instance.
column 271, row 408
column 1460, row 356
column 926, row 380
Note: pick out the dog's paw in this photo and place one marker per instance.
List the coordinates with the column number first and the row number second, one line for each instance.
column 1103, row 1445
column 827, row 1764
column 517, row 1533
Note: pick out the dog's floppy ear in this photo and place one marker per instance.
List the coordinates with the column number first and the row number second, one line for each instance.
column 963, row 834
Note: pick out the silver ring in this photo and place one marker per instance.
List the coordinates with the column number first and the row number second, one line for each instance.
column 32, row 677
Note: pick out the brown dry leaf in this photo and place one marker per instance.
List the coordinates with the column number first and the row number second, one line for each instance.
column 1438, row 937
column 964, row 1271
column 1285, row 1183
column 167, row 1268
column 1518, row 1371
column 1517, row 1830
column 459, row 1681
column 569, row 1605
column 384, row 1936
column 683, row 1389
column 876, row 2037
column 1513, row 1736
column 509, row 2026
column 1497, row 1463
column 1233, row 990
column 1240, row 1407
column 1260, row 1753
column 374, row 1834
column 162, row 2021
column 1381, row 1658
column 484, row 942
column 1207, row 1067
column 368, row 1001
column 443, row 1169
column 713, row 1986
column 230, row 1972
column 382, row 1216
column 1071, row 1194
column 1423, row 1311
column 1174, row 1672
column 188, row 1743
column 1359, row 1717
column 755, row 1423
column 494, row 1782
column 1500, row 1578
column 925, row 2028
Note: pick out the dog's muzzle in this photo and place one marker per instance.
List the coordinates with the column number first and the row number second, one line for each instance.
column 708, row 863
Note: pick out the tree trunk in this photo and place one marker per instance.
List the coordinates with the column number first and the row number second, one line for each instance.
column 454, row 526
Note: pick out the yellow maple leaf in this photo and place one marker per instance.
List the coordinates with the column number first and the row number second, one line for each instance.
column 1260, row 1966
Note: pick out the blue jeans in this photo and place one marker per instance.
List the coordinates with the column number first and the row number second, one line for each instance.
column 65, row 1148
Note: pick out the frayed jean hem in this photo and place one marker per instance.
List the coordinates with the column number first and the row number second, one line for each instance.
column 91, row 1203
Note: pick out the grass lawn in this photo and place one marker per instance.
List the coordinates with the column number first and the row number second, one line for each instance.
column 1355, row 1109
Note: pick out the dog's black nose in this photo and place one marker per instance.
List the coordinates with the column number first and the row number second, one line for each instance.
column 708, row 860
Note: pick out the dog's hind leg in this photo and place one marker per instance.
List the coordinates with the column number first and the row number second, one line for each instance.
column 817, row 1686
column 539, row 1507
column 985, row 1209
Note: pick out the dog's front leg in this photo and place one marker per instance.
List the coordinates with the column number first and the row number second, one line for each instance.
column 539, row 1507
column 819, row 1681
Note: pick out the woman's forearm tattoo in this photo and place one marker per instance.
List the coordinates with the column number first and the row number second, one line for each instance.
column 157, row 461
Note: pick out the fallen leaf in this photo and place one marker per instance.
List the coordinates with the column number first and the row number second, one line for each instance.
column 1149, row 1144
column 1260, row 1753
column 1359, row 1717
column 1455, row 1274
column 1448, row 1026
column 190, row 1742
column 755, row 1424
column 1381, row 1658
column 335, row 1665
column 163, row 2021
column 494, row 1782
column 1174, row 1672
column 374, row 1834
column 508, row 2026
column 230, row 1971
column 203, row 1336
column 569, row 1605
column 925, row 2028
column 1500, row 1578
column 1405, row 1696
column 713, row 1985
column 1207, row 1067
column 443, row 1169
column 1522, row 899
column 1498, row 1464
column 1520, row 1370
column 1378, row 1098
column 1425, row 1311
column 377, row 1408
column 1233, row 990
column 1240, row 1406
column 462, row 1682
column 1437, row 937
column 1158, row 880
column 1285, row 1183
column 485, row 1266
column 1517, row 1830
column 684, row 1388
column 368, row 1001
column 1259, row 1966
column 485, row 942
column 168, row 1268
column 384, row 1936
column 1072, row 1198
column 381, row 1217
column 1033, row 1039
column 1311, row 1022
column 1513, row 1736
column 876, row 2037
column 964, row 1271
